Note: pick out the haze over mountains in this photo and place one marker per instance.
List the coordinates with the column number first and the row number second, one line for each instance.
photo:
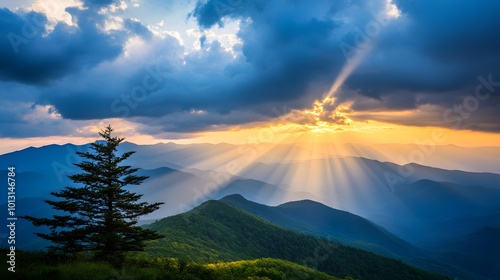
column 216, row 156
column 440, row 219
column 320, row 220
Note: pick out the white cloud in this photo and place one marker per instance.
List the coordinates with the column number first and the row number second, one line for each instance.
column 391, row 9
column 113, row 23
column 134, row 45
column 114, row 8
column 159, row 31
column 55, row 10
column 41, row 113
column 226, row 36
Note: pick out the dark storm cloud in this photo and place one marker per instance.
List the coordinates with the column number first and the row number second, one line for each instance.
column 209, row 13
column 192, row 121
column 432, row 54
column 435, row 54
column 29, row 55
column 289, row 57
column 98, row 3
column 455, row 30
column 290, row 53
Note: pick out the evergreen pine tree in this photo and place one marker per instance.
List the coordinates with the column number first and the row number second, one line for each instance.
column 100, row 215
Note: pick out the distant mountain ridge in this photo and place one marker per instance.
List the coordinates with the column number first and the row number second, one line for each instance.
column 476, row 159
column 320, row 220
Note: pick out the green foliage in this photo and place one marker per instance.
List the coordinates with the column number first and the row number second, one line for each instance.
column 38, row 265
column 215, row 231
column 265, row 269
column 100, row 214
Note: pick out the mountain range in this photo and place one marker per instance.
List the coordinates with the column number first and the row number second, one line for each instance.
column 442, row 220
column 216, row 231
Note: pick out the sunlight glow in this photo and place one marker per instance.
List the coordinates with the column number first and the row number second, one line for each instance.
column 327, row 115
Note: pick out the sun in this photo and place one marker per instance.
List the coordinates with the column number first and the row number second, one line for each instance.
column 326, row 115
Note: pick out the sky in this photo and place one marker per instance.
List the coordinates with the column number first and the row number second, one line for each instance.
column 240, row 71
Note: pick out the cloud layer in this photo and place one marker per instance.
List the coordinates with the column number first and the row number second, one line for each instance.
column 425, row 59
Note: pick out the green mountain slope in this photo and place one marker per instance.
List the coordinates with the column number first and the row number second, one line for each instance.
column 215, row 231
column 317, row 219
column 320, row 220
